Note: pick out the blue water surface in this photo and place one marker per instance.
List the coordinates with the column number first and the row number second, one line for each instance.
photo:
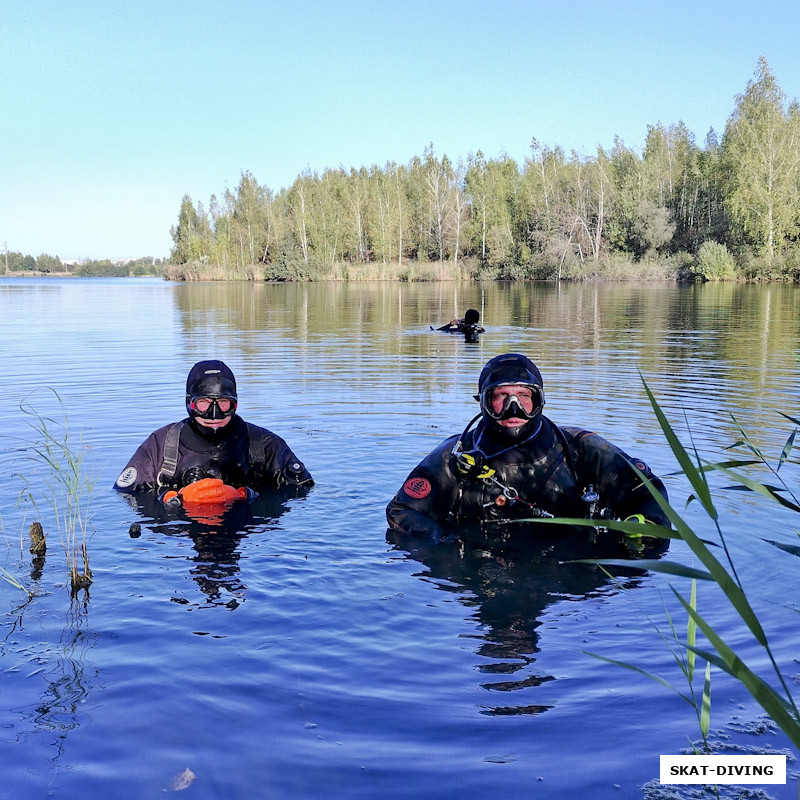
column 302, row 652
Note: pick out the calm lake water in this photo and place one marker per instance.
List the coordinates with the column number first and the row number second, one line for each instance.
column 306, row 655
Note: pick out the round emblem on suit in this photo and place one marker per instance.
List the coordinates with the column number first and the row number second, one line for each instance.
column 127, row 478
column 417, row 488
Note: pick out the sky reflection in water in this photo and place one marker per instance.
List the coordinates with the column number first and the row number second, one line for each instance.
column 298, row 651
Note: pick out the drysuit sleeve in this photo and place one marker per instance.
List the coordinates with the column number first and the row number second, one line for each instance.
column 611, row 472
column 282, row 466
column 427, row 496
column 141, row 472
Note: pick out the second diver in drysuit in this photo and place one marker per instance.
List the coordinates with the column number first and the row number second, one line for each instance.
column 517, row 464
column 469, row 326
column 212, row 456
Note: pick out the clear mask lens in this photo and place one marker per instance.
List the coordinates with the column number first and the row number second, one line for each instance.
column 213, row 407
column 523, row 402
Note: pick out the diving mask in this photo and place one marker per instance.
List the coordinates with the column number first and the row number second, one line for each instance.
column 212, row 407
column 504, row 401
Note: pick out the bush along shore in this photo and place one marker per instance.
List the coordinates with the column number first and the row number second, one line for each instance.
column 726, row 210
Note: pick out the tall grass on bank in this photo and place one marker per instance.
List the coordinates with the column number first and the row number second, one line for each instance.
column 58, row 481
column 775, row 697
column 613, row 267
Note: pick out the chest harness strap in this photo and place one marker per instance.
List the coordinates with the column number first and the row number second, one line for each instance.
column 169, row 464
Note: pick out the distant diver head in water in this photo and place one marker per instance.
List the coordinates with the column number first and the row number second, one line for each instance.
column 470, row 327
column 210, row 397
column 471, row 317
column 511, row 394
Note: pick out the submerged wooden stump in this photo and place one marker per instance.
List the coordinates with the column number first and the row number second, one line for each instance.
column 38, row 542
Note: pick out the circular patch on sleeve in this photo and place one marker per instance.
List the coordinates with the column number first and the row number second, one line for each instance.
column 417, row 488
column 127, row 478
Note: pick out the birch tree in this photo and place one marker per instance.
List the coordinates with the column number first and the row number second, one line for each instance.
column 761, row 160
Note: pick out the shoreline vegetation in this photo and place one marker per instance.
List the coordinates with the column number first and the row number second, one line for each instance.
column 727, row 210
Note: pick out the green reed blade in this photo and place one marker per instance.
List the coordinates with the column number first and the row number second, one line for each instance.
column 747, row 443
column 728, row 661
column 759, row 488
column 793, row 549
column 634, row 668
column 791, row 419
column 732, row 590
column 653, row 565
column 705, row 712
column 736, row 462
column 696, row 478
column 787, row 449
column 646, row 529
column 9, row 578
column 691, row 630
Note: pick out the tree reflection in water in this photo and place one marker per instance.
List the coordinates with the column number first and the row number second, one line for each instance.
column 509, row 586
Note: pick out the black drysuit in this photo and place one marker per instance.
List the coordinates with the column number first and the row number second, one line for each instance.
column 550, row 473
column 241, row 454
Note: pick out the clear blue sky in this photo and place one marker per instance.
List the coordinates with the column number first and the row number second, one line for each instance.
column 111, row 111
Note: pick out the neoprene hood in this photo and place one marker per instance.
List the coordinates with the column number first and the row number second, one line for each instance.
column 471, row 317
column 210, row 379
column 510, row 368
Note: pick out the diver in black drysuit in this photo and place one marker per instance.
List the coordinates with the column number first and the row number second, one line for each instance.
column 212, row 442
column 517, row 464
column 468, row 326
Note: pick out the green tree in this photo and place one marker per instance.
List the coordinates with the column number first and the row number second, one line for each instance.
column 299, row 208
column 14, row 260
column 761, row 161
column 652, row 228
column 387, row 218
column 48, row 263
column 192, row 235
column 249, row 216
column 626, row 175
column 492, row 188
column 439, row 183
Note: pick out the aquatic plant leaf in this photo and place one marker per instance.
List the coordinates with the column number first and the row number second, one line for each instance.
column 705, row 711
column 634, row 668
column 787, row 448
column 740, row 443
column 736, row 488
column 183, row 780
column 787, row 548
column 691, row 631
column 9, row 578
column 759, row 488
column 720, row 575
column 646, row 529
column 728, row 661
column 694, row 475
column 791, row 419
column 654, row 565
column 747, row 443
column 736, row 462
column 768, row 692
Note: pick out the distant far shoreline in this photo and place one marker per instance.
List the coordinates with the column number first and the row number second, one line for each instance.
column 713, row 262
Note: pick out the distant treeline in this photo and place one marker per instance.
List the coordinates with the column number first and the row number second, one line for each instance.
column 728, row 208
column 17, row 263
